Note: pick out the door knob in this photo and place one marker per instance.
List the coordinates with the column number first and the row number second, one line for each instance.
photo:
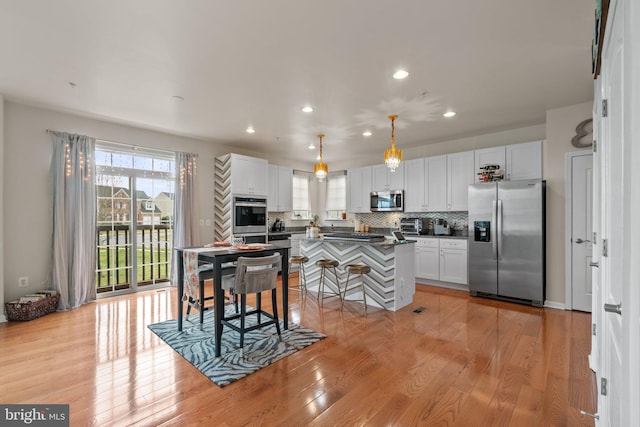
column 613, row 308
column 579, row 240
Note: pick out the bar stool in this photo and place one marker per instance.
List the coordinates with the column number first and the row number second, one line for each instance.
column 360, row 269
column 325, row 264
column 302, row 279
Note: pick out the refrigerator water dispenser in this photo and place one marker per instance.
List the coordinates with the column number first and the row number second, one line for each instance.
column 482, row 231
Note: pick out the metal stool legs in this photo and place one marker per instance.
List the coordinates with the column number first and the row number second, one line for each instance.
column 360, row 269
column 302, row 279
column 325, row 264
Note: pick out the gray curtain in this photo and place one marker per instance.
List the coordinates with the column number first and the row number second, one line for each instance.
column 74, row 219
column 186, row 207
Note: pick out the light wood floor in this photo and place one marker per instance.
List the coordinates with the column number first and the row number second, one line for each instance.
column 463, row 361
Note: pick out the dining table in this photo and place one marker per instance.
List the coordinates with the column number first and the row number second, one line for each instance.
column 219, row 256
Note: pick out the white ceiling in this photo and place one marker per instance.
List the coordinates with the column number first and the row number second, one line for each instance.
column 499, row 64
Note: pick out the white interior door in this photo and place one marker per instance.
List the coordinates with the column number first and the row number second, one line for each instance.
column 581, row 230
column 613, row 403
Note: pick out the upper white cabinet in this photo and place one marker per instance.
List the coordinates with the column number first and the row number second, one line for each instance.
column 518, row 161
column 383, row 179
column 249, row 175
column 460, row 173
column 434, row 184
column 280, row 197
column 436, row 176
column 358, row 189
column 524, row 161
column 415, row 189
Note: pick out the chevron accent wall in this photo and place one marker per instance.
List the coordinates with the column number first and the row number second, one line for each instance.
column 222, row 198
column 380, row 282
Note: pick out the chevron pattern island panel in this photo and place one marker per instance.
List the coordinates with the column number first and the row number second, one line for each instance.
column 379, row 283
column 222, row 198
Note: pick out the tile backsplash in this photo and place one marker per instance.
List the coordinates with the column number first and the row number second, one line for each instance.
column 390, row 220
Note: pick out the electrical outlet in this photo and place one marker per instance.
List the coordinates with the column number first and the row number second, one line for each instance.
column 23, row 282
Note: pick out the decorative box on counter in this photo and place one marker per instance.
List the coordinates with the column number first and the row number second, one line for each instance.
column 32, row 306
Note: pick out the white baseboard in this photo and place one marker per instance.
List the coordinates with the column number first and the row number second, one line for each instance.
column 554, row 304
column 3, row 319
column 440, row 284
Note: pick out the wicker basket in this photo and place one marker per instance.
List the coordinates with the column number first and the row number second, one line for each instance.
column 17, row 310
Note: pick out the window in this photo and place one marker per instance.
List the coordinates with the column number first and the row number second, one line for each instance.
column 336, row 202
column 301, row 202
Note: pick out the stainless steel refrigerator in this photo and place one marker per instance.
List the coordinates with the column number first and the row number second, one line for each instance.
column 507, row 240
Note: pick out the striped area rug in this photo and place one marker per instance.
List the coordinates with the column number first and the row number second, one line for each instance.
column 261, row 347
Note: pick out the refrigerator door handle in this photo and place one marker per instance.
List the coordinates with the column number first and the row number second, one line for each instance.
column 499, row 228
column 492, row 232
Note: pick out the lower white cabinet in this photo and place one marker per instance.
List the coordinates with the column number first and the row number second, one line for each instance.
column 453, row 261
column 428, row 258
column 439, row 259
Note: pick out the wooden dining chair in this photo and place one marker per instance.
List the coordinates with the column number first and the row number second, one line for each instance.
column 254, row 275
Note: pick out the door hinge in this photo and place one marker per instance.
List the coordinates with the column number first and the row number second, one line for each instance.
column 595, row 238
column 605, row 250
column 603, row 386
column 605, row 109
column 593, row 329
column 595, row 146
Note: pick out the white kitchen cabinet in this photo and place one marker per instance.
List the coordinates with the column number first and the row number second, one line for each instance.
column 453, row 261
column 358, row 189
column 249, row 175
column 280, row 197
column 441, row 259
column 427, row 258
column 415, row 189
column 436, row 176
column 382, row 179
column 518, row 161
column 460, row 173
column 524, row 161
column 490, row 156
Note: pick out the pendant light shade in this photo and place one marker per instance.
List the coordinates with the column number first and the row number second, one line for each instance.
column 393, row 156
column 320, row 169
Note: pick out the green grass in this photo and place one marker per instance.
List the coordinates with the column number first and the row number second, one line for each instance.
column 119, row 276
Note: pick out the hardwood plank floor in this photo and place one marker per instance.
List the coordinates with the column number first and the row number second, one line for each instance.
column 463, row 361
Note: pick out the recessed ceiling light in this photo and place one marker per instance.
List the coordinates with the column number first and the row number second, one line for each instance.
column 307, row 108
column 311, row 147
column 366, row 133
column 400, row 74
column 250, row 129
column 449, row 114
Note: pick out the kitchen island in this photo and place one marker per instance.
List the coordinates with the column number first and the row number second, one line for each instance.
column 391, row 282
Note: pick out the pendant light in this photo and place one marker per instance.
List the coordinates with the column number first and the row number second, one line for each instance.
column 393, row 156
column 320, row 169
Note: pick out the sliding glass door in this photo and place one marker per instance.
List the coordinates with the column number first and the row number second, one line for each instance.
column 135, row 219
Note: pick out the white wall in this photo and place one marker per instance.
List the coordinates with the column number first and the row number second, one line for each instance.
column 2, row 316
column 561, row 127
column 27, row 195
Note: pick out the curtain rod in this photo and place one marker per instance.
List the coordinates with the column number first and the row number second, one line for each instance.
column 122, row 144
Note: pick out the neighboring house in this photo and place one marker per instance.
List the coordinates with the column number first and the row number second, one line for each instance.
column 114, row 205
column 148, row 212
column 164, row 202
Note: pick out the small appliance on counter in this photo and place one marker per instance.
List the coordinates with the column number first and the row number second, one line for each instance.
column 411, row 226
column 278, row 225
column 441, row 228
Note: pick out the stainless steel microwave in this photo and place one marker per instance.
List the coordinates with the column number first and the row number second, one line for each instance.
column 387, row 201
